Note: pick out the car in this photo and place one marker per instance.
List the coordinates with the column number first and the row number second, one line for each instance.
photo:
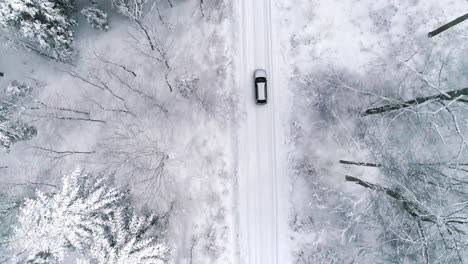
column 260, row 79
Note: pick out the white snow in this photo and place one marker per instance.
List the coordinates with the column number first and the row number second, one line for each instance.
column 262, row 177
column 357, row 42
column 185, row 158
column 248, row 183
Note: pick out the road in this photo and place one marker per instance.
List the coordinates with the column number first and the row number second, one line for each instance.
column 262, row 159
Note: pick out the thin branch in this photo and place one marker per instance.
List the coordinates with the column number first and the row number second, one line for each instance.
column 45, row 106
column 57, row 154
column 192, row 248
column 146, row 33
column 423, row 236
column 159, row 15
column 424, row 79
column 68, row 118
column 201, row 8
column 167, row 81
column 140, row 92
column 79, row 77
column 102, row 86
column 113, row 63
column 110, row 109
column 30, row 47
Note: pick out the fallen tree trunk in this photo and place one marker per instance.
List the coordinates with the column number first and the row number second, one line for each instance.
column 452, row 23
column 419, row 100
column 358, row 163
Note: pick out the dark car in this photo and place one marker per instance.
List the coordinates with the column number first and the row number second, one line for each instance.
column 260, row 86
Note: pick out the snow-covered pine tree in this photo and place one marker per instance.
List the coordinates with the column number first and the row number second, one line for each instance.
column 126, row 239
column 42, row 25
column 96, row 17
column 133, row 9
column 11, row 133
column 12, row 129
column 9, row 206
column 50, row 226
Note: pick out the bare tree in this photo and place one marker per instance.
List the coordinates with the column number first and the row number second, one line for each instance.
column 416, row 175
column 134, row 149
column 439, row 225
column 126, row 83
column 136, row 11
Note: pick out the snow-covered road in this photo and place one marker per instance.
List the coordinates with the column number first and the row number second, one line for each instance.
column 262, row 166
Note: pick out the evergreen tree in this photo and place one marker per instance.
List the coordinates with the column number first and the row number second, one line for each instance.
column 12, row 129
column 89, row 217
column 96, row 17
column 43, row 25
column 49, row 226
column 126, row 239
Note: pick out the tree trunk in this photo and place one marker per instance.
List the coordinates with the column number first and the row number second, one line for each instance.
column 357, row 163
column 448, row 25
column 410, row 207
column 419, row 100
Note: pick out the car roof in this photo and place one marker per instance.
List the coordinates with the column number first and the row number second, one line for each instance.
column 261, row 91
column 260, row 73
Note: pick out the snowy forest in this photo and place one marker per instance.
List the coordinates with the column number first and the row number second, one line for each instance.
column 120, row 119
column 113, row 142
column 379, row 134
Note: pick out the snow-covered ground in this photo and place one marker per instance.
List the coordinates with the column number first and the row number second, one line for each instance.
column 262, row 174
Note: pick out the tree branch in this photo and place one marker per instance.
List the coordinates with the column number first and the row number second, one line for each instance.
column 113, row 63
column 57, row 154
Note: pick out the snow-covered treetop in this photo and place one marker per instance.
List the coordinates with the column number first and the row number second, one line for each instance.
column 42, row 24
column 125, row 240
column 53, row 223
column 12, row 129
column 130, row 8
column 96, row 17
column 90, row 217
